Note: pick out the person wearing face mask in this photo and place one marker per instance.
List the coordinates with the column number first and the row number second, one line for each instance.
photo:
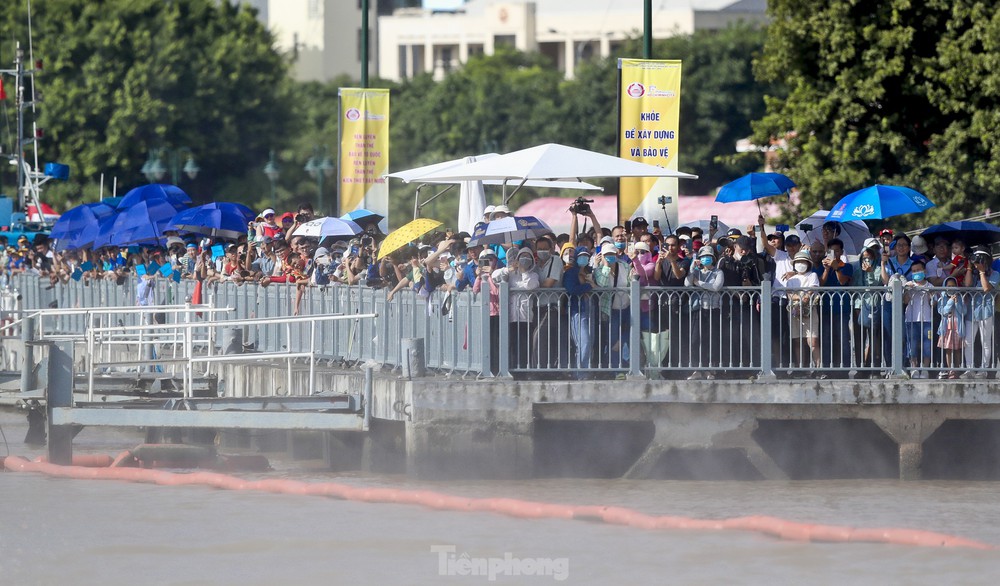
column 706, row 313
column 578, row 280
column 484, row 278
column 917, row 320
column 654, row 342
column 896, row 264
column 803, row 322
column 522, row 278
column 614, row 272
column 551, row 336
column 868, row 308
column 745, row 315
column 836, row 306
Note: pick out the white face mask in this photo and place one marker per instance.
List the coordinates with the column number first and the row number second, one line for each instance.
column 802, row 267
column 567, row 258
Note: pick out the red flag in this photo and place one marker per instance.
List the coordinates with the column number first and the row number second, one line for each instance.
column 3, row 94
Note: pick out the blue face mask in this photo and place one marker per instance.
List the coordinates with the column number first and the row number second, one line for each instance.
column 706, row 261
column 582, row 261
column 620, row 245
column 919, row 276
column 610, row 259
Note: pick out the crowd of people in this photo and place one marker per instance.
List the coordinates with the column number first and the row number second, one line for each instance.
column 570, row 303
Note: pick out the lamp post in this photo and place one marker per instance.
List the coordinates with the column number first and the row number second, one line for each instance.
column 154, row 169
column 319, row 167
column 272, row 171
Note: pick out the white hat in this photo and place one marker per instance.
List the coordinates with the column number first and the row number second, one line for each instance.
column 707, row 250
column 642, row 246
column 918, row 245
column 501, row 208
column 486, row 253
column 488, row 210
column 267, row 212
column 872, row 243
column 608, row 248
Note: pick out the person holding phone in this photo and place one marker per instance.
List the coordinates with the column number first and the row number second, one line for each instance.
column 984, row 280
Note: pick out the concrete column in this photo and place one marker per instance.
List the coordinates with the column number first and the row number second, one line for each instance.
column 569, row 47
column 59, row 393
column 429, row 58
column 911, row 457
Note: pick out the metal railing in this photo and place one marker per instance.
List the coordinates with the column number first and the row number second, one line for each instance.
column 738, row 332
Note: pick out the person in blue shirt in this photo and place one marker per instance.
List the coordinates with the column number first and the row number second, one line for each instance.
column 578, row 280
column 834, row 272
column 896, row 264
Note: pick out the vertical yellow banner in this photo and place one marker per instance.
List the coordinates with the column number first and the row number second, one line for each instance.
column 650, row 98
column 364, row 151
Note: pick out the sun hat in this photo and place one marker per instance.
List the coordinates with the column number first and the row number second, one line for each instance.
column 266, row 213
column 608, row 248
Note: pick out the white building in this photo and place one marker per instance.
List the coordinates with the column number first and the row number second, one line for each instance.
column 413, row 40
column 324, row 36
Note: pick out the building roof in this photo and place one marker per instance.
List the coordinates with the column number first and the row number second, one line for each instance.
column 550, row 6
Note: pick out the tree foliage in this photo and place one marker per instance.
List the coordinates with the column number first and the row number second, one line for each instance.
column 894, row 92
column 123, row 77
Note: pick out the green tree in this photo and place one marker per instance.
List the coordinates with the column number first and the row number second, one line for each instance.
column 896, row 92
column 123, row 77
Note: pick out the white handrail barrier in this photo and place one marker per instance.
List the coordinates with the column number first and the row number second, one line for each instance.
column 188, row 359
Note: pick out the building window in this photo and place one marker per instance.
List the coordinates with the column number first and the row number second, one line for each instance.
column 403, row 51
column 504, row 41
column 446, row 59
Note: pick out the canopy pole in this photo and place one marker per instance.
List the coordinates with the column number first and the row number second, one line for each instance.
column 508, row 197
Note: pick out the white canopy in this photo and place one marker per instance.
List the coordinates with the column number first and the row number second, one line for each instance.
column 422, row 175
column 552, row 162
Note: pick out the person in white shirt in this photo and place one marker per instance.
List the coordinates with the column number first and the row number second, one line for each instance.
column 804, row 318
column 522, row 278
column 918, row 316
column 783, row 270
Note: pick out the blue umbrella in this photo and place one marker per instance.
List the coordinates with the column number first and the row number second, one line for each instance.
column 972, row 233
column 171, row 193
column 78, row 218
column 95, row 235
column 879, row 202
column 363, row 216
column 754, row 186
column 509, row 229
column 220, row 220
column 143, row 222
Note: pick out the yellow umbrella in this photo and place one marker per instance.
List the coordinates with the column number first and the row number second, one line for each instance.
column 405, row 234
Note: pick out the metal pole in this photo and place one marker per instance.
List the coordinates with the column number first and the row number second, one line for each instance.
column 364, row 43
column 367, row 407
column 766, row 334
column 647, row 29
column 28, row 365
column 504, row 326
column 897, row 328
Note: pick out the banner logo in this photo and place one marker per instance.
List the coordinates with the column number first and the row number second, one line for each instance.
column 353, row 114
column 635, row 90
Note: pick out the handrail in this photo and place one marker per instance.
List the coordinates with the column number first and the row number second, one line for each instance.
column 188, row 359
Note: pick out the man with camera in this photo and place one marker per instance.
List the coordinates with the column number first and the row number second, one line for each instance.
column 614, row 271
column 985, row 279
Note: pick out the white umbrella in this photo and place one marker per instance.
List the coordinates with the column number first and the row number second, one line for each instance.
column 853, row 233
column 554, row 162
column 327, row 226
column 704, row 226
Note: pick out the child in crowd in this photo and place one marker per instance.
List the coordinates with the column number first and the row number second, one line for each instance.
column 951, row 331
column 918, row 317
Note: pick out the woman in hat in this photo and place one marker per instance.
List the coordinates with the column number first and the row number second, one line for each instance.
column 804, row 322
column 868, row 306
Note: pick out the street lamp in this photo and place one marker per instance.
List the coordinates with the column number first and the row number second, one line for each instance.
column 272, row 171
column 154, row 169
column 320, row 166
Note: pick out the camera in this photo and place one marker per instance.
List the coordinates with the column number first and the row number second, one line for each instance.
column 301, row 218
column 366, row 241
column 581, row 206
column 713, row 224
column 484, row 262
column 806, row 227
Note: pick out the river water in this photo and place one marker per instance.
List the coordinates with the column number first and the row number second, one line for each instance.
column 60, row 532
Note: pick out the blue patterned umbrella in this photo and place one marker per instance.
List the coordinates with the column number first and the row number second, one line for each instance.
column 879, row 202
column 171, row 193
